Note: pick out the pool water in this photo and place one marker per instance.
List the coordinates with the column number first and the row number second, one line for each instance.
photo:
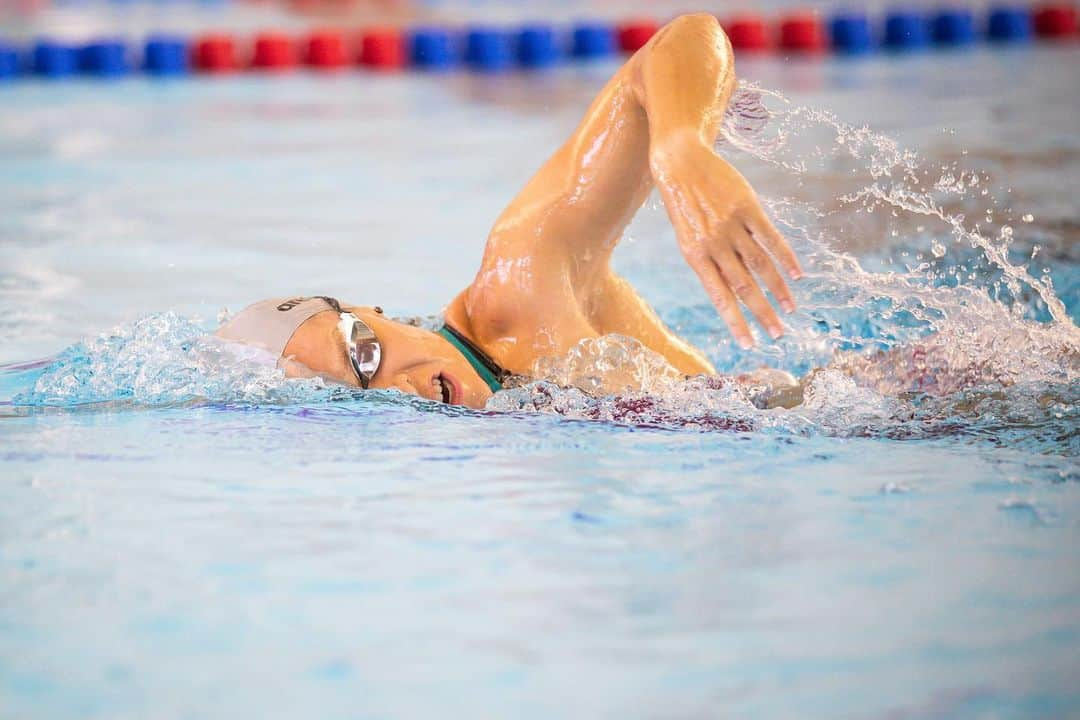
column 183, row 535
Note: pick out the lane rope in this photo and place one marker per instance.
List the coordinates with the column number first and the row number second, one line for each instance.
column 491, row 49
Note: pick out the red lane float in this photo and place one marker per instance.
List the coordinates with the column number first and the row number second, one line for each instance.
column 1055, row 20
column 747, row 32
column 633, row 35
column 802, row 33
column 326, row 49
column 214, row 53
column 274, row 51
column 382, row 49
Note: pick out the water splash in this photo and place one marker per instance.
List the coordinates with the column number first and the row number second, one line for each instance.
column 903, row 188
column 916, row 318
column 162, row 359
column 943, row 337
column 610, row 365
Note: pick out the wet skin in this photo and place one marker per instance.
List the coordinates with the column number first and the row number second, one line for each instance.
column 414, row 360
column 652, row 126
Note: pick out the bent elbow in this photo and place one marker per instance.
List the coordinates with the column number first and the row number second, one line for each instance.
column 701, row 29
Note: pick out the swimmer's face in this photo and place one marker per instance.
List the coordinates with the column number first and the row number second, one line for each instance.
column 414, row 360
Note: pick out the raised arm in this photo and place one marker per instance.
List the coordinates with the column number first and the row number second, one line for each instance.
column 546, row 273
column 684, row 82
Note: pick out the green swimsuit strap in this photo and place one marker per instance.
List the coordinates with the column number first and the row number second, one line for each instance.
column 488, row 370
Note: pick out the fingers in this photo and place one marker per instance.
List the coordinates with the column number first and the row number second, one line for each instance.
column 746, row 289
column 724, row 300
column 767, row 234
column 758, row 261
column 730, row 259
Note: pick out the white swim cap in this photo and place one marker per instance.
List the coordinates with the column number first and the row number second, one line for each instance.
column 270, row 324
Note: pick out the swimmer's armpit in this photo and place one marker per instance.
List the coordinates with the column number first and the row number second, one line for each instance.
column 683, row 80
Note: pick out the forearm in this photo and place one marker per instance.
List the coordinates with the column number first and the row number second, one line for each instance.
column 683, row 79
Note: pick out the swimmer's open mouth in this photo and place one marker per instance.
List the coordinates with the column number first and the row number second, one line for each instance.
column 447, row 388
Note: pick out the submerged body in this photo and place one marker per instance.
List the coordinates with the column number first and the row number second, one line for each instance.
column 545, row 282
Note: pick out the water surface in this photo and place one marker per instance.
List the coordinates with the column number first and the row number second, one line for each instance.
column 182, row 536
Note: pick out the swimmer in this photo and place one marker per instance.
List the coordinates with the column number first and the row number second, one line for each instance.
column 545, row 281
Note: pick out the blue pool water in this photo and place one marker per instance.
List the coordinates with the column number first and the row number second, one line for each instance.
column 182, row 535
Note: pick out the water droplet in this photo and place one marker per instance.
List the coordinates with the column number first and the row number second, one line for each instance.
column 938, row 249
column 1028, row 217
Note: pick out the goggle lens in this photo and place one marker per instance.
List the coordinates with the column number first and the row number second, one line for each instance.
column 362, row 347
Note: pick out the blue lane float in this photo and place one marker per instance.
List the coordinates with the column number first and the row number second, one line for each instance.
column 53, row 59
column 850, row 34
column 953, row 27
column 1009, row 24
column 488, row 50
column 537, row 47
column 9, row 61
column 593, row 40
column 906, row 31
column 106, row 58
column 432, row 49
column 165, row 55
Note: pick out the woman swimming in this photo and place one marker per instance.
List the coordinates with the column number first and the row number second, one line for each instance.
column 545, row 282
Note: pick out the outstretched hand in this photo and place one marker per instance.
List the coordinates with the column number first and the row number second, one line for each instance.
column 725, row 236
